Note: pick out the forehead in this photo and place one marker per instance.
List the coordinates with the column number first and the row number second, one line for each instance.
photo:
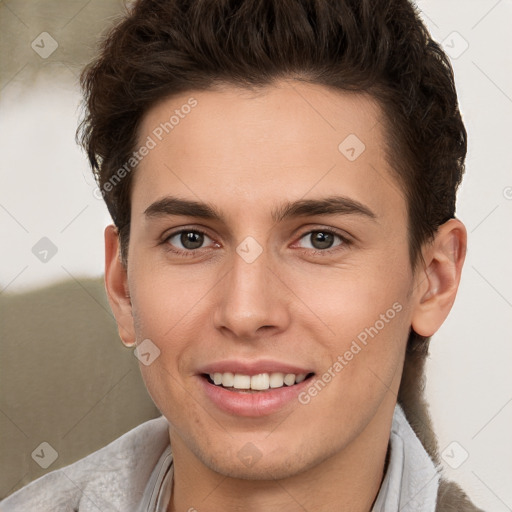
column 287, row 141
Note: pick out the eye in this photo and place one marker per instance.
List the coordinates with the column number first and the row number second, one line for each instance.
column 187, row 240
column 321, row 240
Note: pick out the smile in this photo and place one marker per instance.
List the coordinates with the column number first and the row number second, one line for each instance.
column 259, row 382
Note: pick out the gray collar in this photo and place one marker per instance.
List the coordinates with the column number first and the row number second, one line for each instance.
column 411, row 480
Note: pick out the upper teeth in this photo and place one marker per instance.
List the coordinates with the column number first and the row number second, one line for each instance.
column 257, row 382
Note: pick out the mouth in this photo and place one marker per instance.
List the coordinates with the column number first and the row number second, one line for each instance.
column 261, row 382
column 253, row 388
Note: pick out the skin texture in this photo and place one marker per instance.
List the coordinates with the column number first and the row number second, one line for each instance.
column 246, row 154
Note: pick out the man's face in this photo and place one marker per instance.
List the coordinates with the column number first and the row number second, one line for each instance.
column 263, row 287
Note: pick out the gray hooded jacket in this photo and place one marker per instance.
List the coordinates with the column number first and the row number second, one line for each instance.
column 134, row 474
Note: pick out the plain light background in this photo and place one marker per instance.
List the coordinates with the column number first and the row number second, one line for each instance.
column 46, row 190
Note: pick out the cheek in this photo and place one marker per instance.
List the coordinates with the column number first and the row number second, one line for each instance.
column 349, row 299
column 365, row 368
column 166, row 300
column 362, row 321
column 170, row 307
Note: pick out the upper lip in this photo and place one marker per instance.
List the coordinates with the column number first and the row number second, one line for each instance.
column 251, row 368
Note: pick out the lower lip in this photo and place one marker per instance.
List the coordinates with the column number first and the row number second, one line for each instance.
column 261, row 403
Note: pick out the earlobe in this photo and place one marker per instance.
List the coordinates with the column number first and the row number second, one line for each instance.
column 437, row 282
column 116, row 284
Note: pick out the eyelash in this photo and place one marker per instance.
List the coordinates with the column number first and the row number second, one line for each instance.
column 345, row 242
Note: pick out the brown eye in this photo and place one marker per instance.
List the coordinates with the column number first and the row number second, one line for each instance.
column 321, row 240
column 188, row 240
column 191, row 239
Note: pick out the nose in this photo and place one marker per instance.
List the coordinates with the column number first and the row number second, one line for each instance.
column 251, row 301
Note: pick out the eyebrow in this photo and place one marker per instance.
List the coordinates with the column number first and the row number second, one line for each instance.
column 302, row 208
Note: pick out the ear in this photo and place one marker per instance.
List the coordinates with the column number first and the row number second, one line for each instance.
column 438, row 280
column 116, row 283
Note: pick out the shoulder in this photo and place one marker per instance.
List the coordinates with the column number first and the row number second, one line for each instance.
column 112, row 478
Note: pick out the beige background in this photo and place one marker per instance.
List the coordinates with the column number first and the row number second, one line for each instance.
column 65, row 378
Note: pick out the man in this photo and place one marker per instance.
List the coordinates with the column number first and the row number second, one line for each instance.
column 282, row 180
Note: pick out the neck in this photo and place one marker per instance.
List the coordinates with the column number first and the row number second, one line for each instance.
column 348, row 480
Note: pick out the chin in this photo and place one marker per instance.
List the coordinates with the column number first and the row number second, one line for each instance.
column 271, row 470
column 249, row 463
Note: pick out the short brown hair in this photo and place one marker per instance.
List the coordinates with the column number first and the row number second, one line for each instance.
column 166, row 47
column 380, row 47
